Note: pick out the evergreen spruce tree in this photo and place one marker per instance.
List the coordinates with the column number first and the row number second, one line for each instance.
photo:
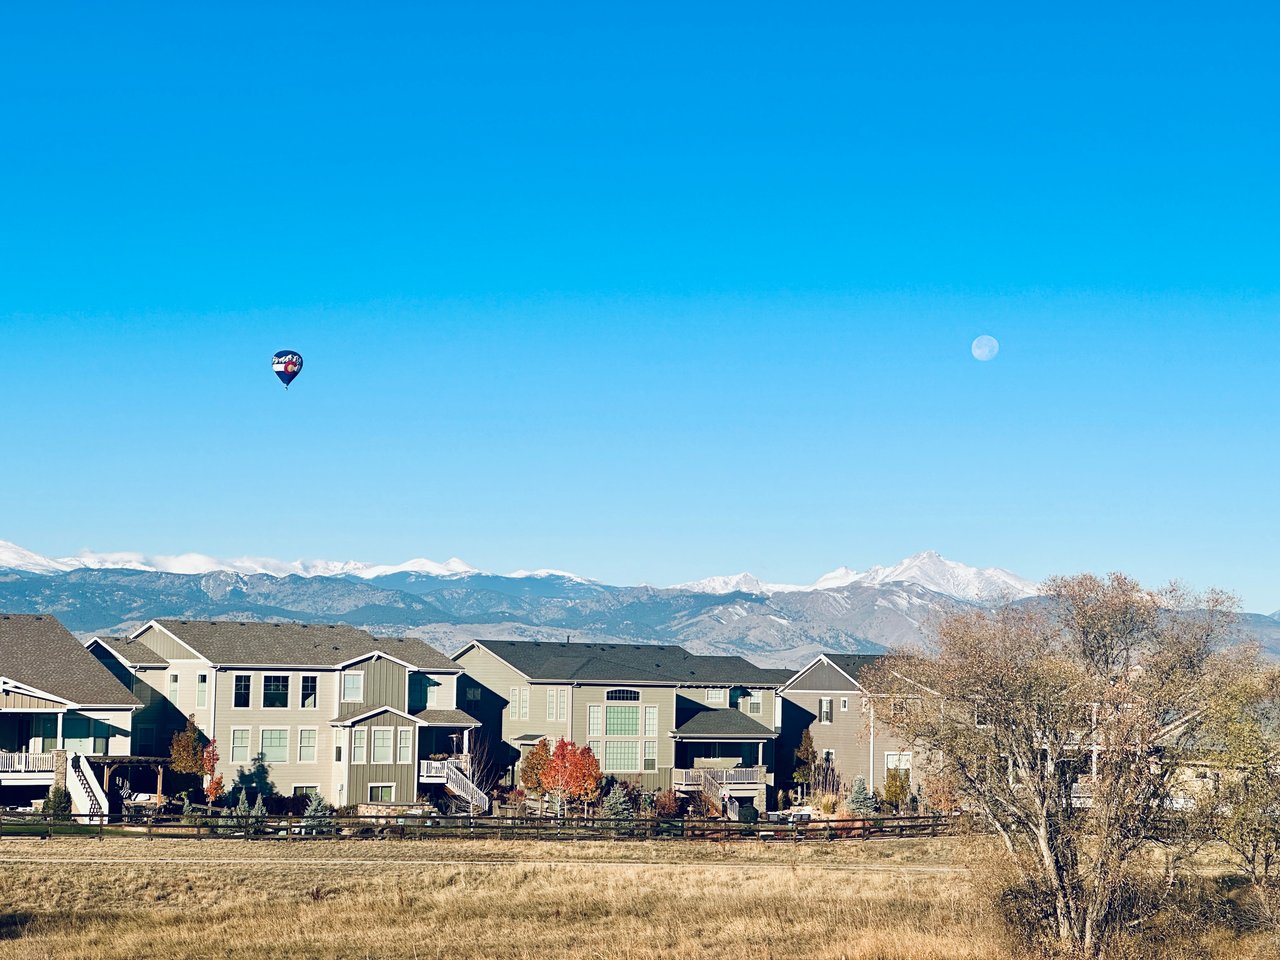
column 318, row 817
column 860, row 801
column 258, row 817
column 619, row 809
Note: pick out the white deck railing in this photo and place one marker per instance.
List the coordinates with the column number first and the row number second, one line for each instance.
column 733, row 776
column 26, row 762
column 451, row 774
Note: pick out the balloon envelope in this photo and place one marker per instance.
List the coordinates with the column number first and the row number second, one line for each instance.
column 287, row 364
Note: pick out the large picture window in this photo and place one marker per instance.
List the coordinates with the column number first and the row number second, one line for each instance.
column 275, row 691
column 621, row 756
column 621, row 722
column 275, row 746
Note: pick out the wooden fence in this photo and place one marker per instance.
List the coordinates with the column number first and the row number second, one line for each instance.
column 413, row 827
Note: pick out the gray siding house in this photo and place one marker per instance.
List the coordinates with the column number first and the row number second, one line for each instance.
column 845, row 719
column 304, row 708
column 655, row 715
column 59, row 710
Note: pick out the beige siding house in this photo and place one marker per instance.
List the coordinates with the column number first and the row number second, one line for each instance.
column 61, row 713
column 305, row 708
column 845, row 719
column 655, row 715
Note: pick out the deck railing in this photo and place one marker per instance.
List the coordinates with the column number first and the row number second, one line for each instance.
column 26, row 762
column 457, row 782
column 697, row 777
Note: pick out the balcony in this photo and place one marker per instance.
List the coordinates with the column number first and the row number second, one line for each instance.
column 730, row 779
column 17, row 768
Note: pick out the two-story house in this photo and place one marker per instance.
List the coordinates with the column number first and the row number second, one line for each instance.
column 303, row 708
column 829, row 698
column 57, row 706
column 652, row 714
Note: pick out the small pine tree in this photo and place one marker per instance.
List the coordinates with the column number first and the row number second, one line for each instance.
column 318, row 817
column 619, row 809
column 241, row 812
column 860, row 800
column 188, row 815
column 58, row 804
column 258, row 817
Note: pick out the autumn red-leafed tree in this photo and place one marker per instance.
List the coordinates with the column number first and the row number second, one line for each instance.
column 571, row 774
column 213, row 786
column 532, row 768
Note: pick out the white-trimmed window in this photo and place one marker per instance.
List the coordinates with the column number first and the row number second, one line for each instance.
column 173, row 688
column 474, row 694
column 844, row 704
column 755, row 703
column 202, row 689
column 243, row 691
column 513, row 704
column 594, row 747
column 594, row 712
column 275, row 691
column 307, row 737
column 715, row 695
column 239, row 744
column 898, row 761
column 524, row 703
column 562, row 704
column 380, row 752
column 310, row 700
column 382, row 793
column 651, row 721
column 275, row 744
column 623, row 696
column 621, row 756
column 404, row 744
column 359, row 741
column 824, row 709
column 621, row 722
column 306, row 790
column 432, row 694
column 650, row 755
column 353, row 686
column 551, row 703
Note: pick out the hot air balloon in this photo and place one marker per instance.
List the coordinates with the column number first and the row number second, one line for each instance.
column 287, row 364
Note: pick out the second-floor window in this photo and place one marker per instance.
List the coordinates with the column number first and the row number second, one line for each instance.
column 651, row 721
column 755, row 703
column 593, row 720
column 404, row 744
column 381, row 745
column 309, row 701
column 824, row 710
column 239, row 744
column 275, row 690
column 353, row 686
column 275, row 746
column 202, row 689
column 715, row 695
column 173, row 688
column 241, row 698
column 358, row 745
column 622, row 722
column 306, row 746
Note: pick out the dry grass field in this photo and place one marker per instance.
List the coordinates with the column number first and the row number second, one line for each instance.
column 123, row 898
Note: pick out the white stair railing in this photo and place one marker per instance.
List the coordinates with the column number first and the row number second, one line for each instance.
column 456, row 781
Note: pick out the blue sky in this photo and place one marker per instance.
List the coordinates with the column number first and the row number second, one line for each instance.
column 646, row 293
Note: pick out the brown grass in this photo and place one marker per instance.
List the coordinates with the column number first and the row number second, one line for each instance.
column 182, row 899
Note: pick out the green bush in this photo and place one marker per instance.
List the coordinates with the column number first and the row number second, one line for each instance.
column 58, row 804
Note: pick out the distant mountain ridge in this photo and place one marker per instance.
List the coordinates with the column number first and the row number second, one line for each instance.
column 448, row 604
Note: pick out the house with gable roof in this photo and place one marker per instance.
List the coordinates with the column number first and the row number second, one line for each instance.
column 653, row 714
column 304, row 709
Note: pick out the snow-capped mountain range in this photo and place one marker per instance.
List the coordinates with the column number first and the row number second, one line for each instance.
column 449, row 603
column 926, row 569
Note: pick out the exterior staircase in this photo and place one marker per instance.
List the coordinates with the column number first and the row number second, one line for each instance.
column 87, row 796
column 453, row 778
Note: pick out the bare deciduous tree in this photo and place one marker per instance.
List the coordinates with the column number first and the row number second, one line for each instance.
column 1065, row 725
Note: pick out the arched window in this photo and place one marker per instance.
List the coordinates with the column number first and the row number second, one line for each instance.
column 622, row 695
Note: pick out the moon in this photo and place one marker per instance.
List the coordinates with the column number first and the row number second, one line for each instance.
column 985, row 348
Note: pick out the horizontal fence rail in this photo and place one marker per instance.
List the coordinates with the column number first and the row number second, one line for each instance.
column 415, row 827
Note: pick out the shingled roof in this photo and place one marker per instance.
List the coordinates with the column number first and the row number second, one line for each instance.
column 133, row 652
column 626, row 662
column 723, row 723
column 297, row 644
column 37, row 651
